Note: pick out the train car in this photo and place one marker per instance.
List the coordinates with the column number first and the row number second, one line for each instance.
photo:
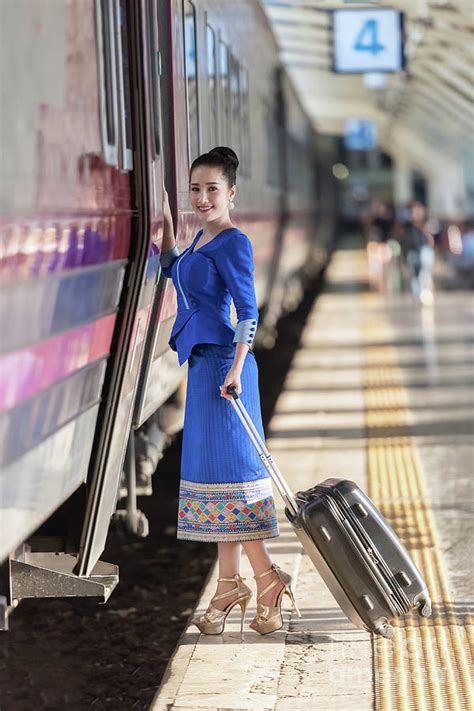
column 105, row 103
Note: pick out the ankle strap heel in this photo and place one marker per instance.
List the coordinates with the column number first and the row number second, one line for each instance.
column 269, row 619
column 265, row 572
column 284, row 577
column 289, row 592
column 213, row 620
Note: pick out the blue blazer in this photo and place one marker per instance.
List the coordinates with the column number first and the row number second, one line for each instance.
column 206, row 281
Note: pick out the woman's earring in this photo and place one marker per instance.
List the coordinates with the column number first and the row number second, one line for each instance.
column 231, row 205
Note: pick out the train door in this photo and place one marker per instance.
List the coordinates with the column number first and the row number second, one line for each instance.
column 161, row 376
column 135, row 38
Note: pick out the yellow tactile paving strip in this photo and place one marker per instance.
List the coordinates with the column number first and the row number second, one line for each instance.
column 428, row 664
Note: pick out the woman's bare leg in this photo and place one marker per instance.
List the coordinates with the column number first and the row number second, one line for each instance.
column 260, row 561
column 229, row 565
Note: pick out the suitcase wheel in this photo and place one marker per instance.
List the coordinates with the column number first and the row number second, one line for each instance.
column 385, row 630
column 425, row 609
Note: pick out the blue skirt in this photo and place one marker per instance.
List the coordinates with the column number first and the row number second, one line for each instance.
column 225, row 492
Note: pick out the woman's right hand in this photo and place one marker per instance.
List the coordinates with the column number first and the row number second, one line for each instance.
column 166, row 208
column 168, row 228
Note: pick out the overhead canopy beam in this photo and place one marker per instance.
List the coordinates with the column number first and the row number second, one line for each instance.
column 434, row 95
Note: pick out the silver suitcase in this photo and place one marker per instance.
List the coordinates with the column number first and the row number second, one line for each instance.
column 354, row 549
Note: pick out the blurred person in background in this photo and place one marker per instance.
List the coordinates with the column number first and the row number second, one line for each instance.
column 378, row 231
column 417, row 244
column 461, row 253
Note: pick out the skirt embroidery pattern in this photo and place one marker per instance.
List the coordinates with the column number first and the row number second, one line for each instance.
column 216, row 512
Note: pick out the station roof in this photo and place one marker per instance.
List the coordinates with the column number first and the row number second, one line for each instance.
column 429, row 103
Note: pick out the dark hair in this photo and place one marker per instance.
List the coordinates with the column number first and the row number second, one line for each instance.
column 219, row 157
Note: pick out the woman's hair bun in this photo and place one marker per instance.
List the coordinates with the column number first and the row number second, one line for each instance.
column 220, row 157
column 227, row 153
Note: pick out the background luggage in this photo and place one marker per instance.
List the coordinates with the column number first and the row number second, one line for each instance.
column 357, row 553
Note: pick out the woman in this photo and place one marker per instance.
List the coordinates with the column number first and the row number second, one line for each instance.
column 225, row 491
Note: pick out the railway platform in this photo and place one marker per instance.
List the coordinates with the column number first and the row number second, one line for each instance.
column 381, row 392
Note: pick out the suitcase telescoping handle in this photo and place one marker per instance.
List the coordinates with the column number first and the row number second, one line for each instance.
column 263, row 453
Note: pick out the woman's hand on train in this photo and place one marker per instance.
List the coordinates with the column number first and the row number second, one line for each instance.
column 166, row 208
column 232, row 378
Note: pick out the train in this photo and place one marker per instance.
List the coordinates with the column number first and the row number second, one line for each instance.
column 105, row 104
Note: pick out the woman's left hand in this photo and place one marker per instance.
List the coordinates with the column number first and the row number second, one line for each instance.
column 232, row 378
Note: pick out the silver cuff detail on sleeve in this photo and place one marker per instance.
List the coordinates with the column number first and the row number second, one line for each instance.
column 245, row 331
column 168, row 257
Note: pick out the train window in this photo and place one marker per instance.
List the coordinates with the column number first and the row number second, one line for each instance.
column 153, row 68
column 246, row 145
column 211, row 85
column 107, row 79
column 191, row 78
column 224, row 93
column 235, row 104
column 124, row 86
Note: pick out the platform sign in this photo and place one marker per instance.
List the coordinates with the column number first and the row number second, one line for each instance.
column 367, row 40
column 360, row 135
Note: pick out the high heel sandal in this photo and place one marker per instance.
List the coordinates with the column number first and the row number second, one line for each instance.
column 213, row 620
column 268, row 618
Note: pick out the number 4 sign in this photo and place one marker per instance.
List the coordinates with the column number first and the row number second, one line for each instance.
column 367, row 41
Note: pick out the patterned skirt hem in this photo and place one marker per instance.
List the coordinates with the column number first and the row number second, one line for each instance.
column 221, row 512
column 226, row 537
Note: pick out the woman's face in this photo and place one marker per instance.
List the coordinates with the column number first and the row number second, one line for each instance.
column 210, row 194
